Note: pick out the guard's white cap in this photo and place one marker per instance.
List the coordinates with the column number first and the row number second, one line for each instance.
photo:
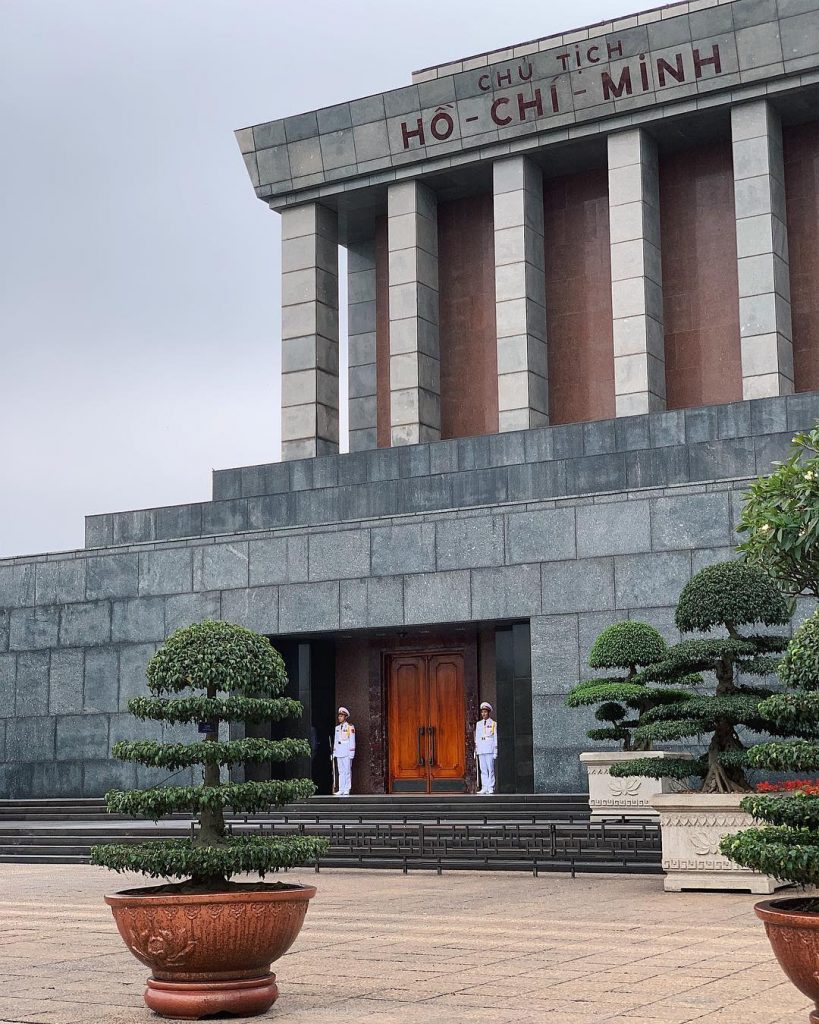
column 344, row 711
column 487, row 705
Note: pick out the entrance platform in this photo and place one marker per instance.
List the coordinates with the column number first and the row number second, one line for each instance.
column 523, row 832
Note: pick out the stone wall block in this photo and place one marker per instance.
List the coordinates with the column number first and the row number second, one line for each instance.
column 60, row 582
column 308, row 606
column 31, row 684
column 137, row 620
column 85, row 625
column 168, row 571
column 65, row 682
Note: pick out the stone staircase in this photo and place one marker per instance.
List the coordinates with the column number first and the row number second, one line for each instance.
column 532, row 832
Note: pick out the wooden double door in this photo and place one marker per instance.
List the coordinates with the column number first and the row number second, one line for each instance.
column 426, row 722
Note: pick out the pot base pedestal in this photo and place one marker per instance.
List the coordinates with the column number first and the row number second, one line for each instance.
column 194, row 999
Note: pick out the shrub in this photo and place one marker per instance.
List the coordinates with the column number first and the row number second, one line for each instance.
column 224, row 673
column 781, row 518
column 621, row 700
column 728, row 595
column 788, row 847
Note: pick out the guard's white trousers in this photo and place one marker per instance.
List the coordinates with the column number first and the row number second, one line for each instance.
column 345, row 775
column 487, row 764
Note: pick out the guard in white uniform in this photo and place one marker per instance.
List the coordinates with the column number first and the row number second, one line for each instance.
column 486, row 747
column 344, row 751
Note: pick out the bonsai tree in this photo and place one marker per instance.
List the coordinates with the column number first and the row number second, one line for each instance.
column 789, row 847
column 781, row 520
column 211, row 673
column 623, row 699
column 729, row 595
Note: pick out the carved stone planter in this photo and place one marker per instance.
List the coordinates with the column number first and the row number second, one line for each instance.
column 692, row 825
column 210, row 953
column 631, row 797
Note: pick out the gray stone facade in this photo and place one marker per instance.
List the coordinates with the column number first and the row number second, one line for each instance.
column 570, row 528
column 539, row 94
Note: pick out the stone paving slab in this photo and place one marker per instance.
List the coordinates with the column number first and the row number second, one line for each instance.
column 476, row 947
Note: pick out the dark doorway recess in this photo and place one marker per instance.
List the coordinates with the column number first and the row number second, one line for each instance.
column 513, row 673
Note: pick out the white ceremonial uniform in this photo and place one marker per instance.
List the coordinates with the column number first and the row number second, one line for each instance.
column 486, row 745
column 344, row 752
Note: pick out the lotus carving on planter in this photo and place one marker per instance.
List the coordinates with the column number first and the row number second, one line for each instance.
column 210, row 941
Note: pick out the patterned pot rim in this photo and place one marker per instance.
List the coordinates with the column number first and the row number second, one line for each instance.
column 783, row 912
column 296, row 893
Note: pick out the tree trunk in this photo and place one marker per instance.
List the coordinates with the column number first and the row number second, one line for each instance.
column 212, row 830
column 722, row 778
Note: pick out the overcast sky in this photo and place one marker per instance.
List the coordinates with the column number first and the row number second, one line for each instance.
column 139, row 275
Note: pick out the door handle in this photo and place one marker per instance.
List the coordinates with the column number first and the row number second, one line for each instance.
column 431, row 731
column 420, row 755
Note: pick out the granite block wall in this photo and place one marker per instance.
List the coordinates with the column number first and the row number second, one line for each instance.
column 586, row 540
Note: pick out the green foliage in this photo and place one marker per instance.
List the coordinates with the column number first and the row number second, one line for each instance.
column 241, row 797
column 788, row 853
column 781, row 521
column 217, row 656
column 230, row 674
column 800, row 666
column 793, row 712
column 626, row 645
column 792, row 756
column 180, row 858
column 201, row 709
column 622, row 699
column 797, row 810
column 729, row 594
column 781, row 518
column 228, row 752
column 660, row 768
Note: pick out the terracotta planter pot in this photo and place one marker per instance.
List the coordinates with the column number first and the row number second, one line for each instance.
column 794, row 936
column 210, row 953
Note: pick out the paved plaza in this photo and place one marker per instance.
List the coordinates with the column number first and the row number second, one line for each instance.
column 380, row 946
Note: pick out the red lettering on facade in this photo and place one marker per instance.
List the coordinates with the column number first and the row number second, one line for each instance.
column 485, row 83
column 442, row 125
column 524, row 104
column 493, row 113
column 525, row 78
column 612, row 90
column 701, row 62
column 677, row 71
column 408, row 133
column 555, row 103
column 613, row 49
column 504, row 79
column 564, row 60
column 593, row 50
column 644, row 81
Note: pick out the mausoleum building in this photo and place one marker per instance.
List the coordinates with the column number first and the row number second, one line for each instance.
column 583, row 312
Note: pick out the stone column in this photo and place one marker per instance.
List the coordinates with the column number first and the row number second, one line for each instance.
column 309, row 331
column 415, row 374
column 636, row 274
column 520, row 294
column 361, row 344
column 762, row 251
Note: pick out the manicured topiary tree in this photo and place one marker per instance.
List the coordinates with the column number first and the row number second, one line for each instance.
column 623, row 699
column 780, row 519
column 208, row 674
column 789, row 847
column 728, row 595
